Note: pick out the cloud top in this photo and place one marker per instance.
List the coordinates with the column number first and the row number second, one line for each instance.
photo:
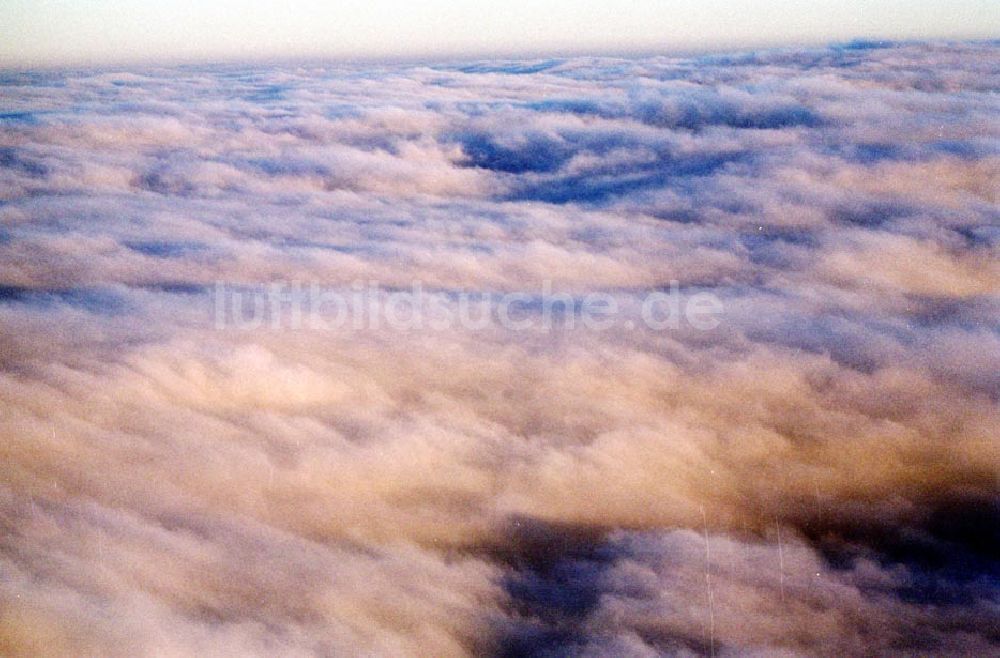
column 816, row 473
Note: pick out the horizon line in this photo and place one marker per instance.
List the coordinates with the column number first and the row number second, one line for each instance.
column 448, row 55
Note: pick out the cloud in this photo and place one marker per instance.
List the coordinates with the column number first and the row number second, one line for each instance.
column 817, row 473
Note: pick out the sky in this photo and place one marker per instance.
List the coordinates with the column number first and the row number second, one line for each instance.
column 54, row 32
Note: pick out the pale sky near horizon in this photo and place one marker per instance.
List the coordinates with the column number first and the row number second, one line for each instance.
column 50, row 32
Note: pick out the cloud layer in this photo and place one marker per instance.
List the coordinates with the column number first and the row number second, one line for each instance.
column 817, row 474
